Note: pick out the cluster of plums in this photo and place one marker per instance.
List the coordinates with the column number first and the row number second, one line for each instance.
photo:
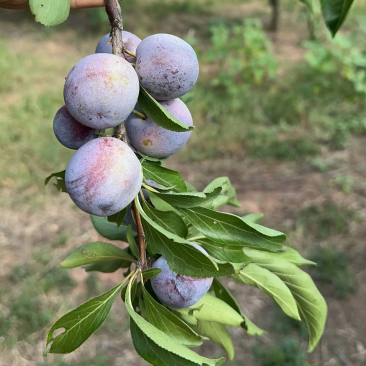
column 101, row 91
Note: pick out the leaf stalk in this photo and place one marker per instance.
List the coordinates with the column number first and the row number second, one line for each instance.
column 141, row 237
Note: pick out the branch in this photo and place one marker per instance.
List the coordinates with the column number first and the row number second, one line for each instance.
column 141, row 237
column 113, row 11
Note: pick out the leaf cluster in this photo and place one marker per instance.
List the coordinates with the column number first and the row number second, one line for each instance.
column 173, row 217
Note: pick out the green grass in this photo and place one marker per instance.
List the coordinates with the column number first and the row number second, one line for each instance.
column 333, row 268
column 28, row 147
column 324, row 220
column 286, row 353
column 27, row 308
column 100, row 360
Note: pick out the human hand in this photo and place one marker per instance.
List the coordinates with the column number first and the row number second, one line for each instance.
column 75, row 4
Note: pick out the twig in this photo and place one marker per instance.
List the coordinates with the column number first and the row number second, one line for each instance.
column 129, row 53
column 113, row 11
column 141, row 237
column 141, row 115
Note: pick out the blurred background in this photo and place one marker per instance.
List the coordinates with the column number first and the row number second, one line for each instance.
column 279, row 107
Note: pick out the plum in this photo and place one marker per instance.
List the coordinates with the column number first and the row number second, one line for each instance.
column 69, row 132
column 101, row 90
column 167, row 66
column 103, row 176
column 178, row 291
column 130, row 41
column 155, row 141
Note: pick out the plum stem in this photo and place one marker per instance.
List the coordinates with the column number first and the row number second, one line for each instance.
column 113, row 11
column 146, row 186
column 102, row 134
column 141, row 237
column 129, row 53
column 141, row 115
column 120, row 132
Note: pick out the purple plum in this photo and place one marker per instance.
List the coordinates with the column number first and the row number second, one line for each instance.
column 69, row 132
column 178, row 291
column 155, row 141
column 167, row 66
column 130, row 41
column 103, row 176
column 101, row 90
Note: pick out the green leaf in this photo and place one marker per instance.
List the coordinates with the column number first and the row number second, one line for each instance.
column 212, row 309
column 156, row 347
column 334, row 13
column 168, row 220
column 185, row 316
column 142, row 307
column 94, row 253
column 231, row 230
column 150, row 273
column 218, row 333
column 131, row 241
column 108, row 229
column 107, row 267
column 143, row 157
column 159, row 204
column 254, row 218
column 191, row 187
column 50, row 12
column 188, row 200
column 60, row 180
column 271, row 285
column 291, row 255
column 133, row 291
column 311, row 304
column 163, row 176
column 82, row 322
column 218, row 202
column 266, row 231
column 224, row 294
column 119, row 217
column 181, row 256
column 227, row 190
column 170, row 324
column 157, row 113
column 232, row 254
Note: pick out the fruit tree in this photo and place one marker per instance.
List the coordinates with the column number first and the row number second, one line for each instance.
column 124, row 118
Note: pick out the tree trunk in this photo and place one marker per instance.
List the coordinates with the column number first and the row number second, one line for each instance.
column 275, row 5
